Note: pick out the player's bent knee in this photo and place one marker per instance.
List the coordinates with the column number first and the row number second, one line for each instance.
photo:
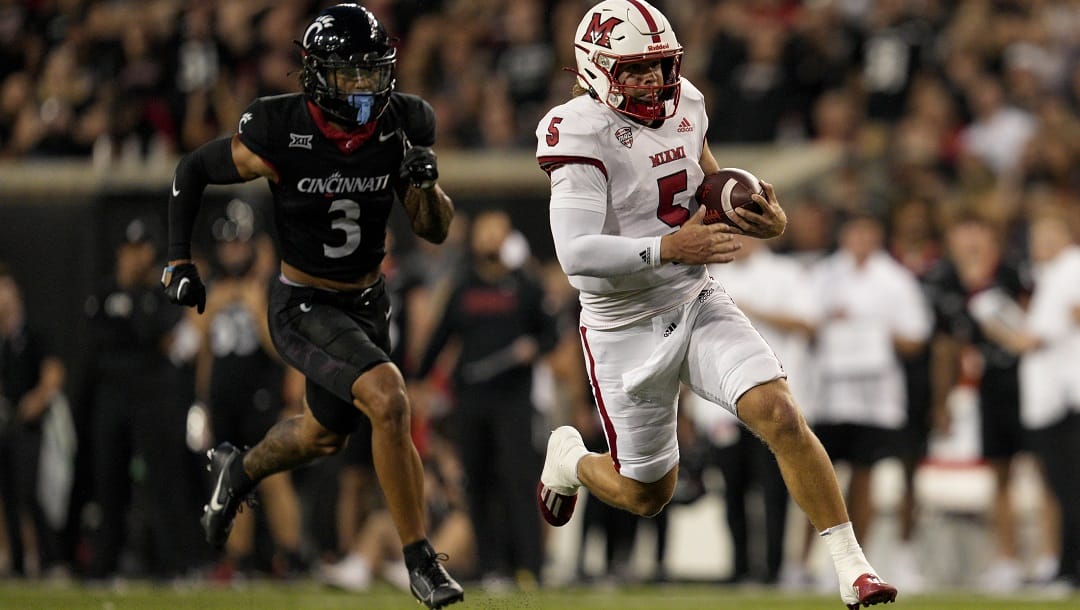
column 390, row 410
column 380, row 394
column 770, row 411
column 648, row 499
column 650, row 506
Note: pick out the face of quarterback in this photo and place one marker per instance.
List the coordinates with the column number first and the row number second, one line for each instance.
column 642, row 79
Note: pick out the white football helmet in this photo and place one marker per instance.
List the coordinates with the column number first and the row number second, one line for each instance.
column 616, row 32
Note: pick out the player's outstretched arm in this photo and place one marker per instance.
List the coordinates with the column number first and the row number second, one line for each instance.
column 222, row 161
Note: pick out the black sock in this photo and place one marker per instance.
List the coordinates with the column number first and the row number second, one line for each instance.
column 241, row 482
column 416, row 552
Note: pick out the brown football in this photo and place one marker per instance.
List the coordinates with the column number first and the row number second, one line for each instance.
column 724, row 191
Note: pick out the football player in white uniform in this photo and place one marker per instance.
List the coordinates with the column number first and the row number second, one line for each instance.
column 625, row 157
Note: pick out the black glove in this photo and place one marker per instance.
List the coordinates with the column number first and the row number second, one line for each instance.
column 419, row 167
column 183, row 285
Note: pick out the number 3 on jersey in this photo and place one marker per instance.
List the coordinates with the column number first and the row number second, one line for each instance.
column 348, row 224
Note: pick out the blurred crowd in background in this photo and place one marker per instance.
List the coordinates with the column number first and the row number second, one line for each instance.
column 161, row 77
column 918, row 266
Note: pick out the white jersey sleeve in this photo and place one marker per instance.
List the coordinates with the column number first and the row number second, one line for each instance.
column 578, row 209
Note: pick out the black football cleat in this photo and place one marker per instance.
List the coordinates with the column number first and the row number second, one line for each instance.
column 432, row 586
column 225, row 499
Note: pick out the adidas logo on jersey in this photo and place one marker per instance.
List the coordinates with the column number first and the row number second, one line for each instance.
column 685, row 126
column 670, row 329
column 646, row 256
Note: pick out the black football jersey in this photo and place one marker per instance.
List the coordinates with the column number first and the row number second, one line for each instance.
column 331, row 207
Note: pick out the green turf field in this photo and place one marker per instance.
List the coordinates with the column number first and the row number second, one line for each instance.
column 305, row 596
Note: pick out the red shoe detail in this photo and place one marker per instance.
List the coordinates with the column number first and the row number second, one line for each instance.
column 555, row 507
column 872, row 591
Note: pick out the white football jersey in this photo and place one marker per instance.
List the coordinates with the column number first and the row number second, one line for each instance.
column 651, row 174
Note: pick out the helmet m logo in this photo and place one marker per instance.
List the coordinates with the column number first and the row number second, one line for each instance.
column 322, row 21
column 599, row 33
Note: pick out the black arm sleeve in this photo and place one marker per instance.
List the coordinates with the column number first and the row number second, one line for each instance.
column 211, row 163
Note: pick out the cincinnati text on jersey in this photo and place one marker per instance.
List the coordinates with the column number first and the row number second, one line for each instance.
column 336, row 183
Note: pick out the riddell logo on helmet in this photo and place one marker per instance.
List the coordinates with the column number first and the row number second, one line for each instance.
column 658, row 47
column 598, row 33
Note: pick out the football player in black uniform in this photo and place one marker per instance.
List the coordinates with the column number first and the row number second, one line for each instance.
column 336, row 157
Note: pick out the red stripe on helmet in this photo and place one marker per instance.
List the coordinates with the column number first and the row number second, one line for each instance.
column 649, row 21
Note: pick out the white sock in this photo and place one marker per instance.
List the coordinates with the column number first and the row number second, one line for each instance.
column 846, row 553
column 572, row 458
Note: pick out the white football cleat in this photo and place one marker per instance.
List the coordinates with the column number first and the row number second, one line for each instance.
column 556, row 493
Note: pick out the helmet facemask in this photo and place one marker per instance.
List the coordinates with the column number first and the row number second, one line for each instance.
column 646, row 102
column 353, row 91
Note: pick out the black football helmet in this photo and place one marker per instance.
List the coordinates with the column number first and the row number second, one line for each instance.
column 348, row 64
